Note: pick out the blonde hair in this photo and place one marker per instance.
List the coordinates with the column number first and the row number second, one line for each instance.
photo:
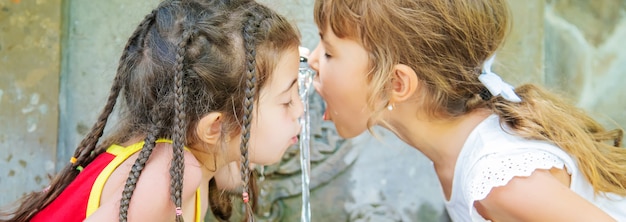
column 446, row 42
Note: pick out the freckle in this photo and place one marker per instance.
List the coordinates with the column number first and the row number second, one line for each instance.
column 23, row 163
column 11, row 173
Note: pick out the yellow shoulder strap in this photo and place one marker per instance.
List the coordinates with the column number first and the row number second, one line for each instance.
column 198, row 206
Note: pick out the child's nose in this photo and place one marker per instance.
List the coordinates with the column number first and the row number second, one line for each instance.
column 314, row 58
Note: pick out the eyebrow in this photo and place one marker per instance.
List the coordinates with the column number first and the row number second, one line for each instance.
column 325, row 42
column 290, row 85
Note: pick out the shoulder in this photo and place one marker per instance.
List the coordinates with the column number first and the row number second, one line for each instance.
column 151, row 197
column 498, row 169
column 539, row 196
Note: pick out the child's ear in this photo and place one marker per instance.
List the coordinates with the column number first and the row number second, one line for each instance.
column 209, row 128
column 404, row 83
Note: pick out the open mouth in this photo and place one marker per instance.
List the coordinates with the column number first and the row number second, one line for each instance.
column 294, row 140
column 326, row 116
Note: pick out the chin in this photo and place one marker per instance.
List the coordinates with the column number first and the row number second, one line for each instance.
column 267, row 162
column 277, row 159
column 348, row 134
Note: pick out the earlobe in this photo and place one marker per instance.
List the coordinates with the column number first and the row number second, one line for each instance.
column 404, row 83
column 209, row 128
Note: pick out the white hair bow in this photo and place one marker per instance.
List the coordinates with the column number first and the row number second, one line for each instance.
column 494, row 83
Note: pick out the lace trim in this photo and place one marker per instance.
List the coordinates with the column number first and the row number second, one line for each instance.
column 495, row 171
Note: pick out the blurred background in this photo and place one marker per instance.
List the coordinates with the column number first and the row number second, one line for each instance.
column 58, row 58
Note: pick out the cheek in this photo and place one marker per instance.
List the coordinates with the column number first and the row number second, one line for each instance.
column 330, row 84
column 268, row 136
column 257, row 144
column 343, row 87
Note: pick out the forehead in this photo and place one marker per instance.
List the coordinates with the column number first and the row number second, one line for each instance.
column 331, row 40
column 285, row 72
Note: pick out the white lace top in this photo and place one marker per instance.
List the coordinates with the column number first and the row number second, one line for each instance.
column 491, row 157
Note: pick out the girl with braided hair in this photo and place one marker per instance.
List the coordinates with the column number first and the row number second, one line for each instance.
column 204, row 83
column 422, row 69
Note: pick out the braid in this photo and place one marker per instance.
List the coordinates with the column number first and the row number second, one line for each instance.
column 137, row 40
column 249, row 31
column 177, row 168
column 83, row 153
column 135, row 172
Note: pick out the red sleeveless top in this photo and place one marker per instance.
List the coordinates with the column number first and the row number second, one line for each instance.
column 81, row 197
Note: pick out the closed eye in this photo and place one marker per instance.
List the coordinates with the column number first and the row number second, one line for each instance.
column 288, row 103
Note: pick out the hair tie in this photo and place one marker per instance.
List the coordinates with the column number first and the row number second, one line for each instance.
column 485, row 94
column 495, row 84
column 73, row 160
column 179, row 211
column 246, row 199
column 79, row 168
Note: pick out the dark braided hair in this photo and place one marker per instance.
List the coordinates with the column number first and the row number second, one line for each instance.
column 178, row 137
column 138, row 166
column 176, row 171
column 182, row 62
column 250, row 29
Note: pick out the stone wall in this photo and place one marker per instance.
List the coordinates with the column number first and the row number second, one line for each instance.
column 30, row 58
column 584, row 56
column 57, row 61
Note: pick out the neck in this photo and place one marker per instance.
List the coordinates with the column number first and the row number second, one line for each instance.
column 441, row 140
column 219, row 162
column 209, row 163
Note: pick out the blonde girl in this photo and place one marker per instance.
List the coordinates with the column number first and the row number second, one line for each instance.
column 422, row 69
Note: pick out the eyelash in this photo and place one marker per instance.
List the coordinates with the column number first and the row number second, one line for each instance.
column 326, row 55
column 288, row 104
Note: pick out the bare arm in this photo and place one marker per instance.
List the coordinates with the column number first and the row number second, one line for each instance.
column 538, row 197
